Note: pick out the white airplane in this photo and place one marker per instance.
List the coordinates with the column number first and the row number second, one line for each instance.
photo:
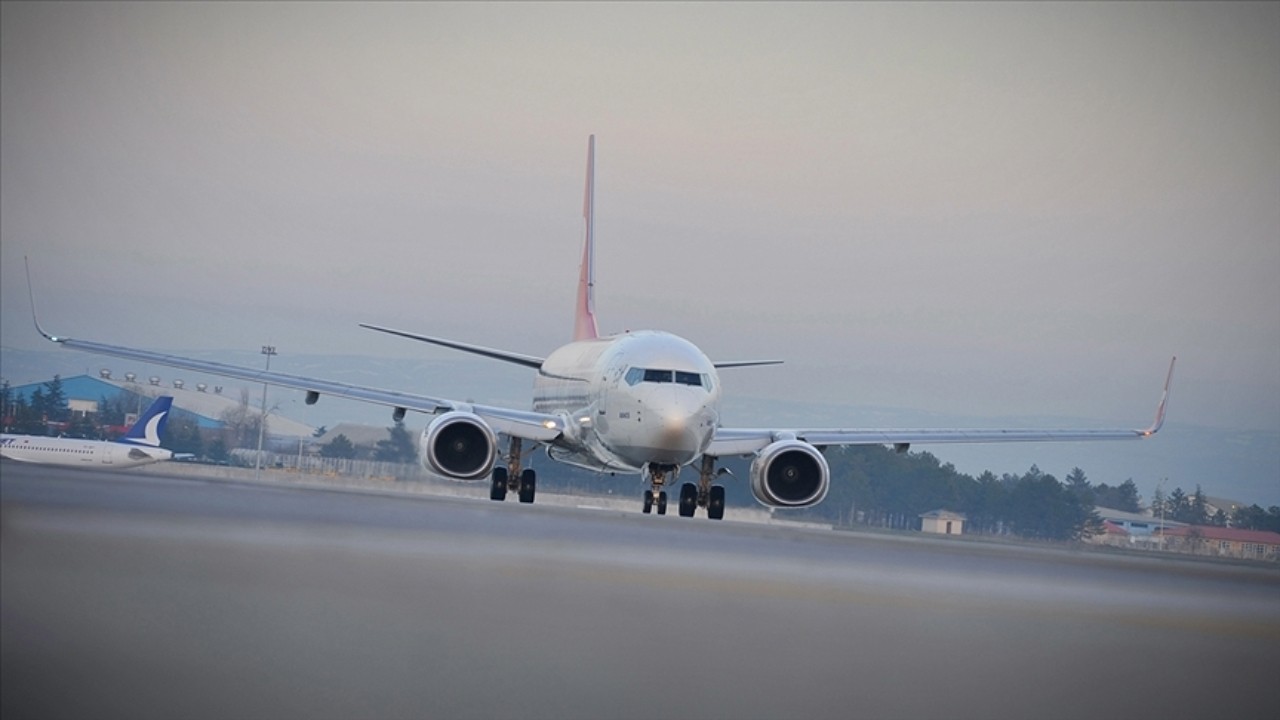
column 139, row 446
column 635, row 402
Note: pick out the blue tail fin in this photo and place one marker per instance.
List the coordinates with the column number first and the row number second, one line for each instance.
column 150, row 424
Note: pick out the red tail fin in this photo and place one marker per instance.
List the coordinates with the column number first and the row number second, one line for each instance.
column 584, row 325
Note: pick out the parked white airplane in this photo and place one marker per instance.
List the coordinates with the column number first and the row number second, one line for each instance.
column 139, row 446
column 646, row 402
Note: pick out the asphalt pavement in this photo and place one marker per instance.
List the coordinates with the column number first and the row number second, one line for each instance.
column 146, row 595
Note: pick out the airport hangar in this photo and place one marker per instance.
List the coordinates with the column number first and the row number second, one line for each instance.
column 204, row 405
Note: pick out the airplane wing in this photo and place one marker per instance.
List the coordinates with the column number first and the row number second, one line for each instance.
column 520, row 359
column 745, row 441
column 529, row 425
column 514, row 358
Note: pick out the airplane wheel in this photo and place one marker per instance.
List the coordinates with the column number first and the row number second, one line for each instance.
column 528, row 485
column 498, row 489
column 688, row 499
column 715, row 503
column 662, row 503
column 648, row 501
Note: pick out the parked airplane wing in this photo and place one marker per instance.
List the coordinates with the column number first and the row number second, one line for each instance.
column 744, row 441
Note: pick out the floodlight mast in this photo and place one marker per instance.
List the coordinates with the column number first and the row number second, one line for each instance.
column 268, row 350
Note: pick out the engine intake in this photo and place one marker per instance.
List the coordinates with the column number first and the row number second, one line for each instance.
column 790, row 473
column 459, row 445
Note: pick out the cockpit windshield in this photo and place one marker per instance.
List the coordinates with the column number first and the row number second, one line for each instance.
column 637, row 375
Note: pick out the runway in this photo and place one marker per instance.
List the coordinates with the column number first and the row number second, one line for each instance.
column 151, row 596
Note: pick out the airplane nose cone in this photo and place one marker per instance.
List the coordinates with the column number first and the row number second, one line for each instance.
column 682, row 430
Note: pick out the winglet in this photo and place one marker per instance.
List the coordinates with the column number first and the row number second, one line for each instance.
column 32, row 296
column 146, row 431
column 584, row 325
column 1164, row 401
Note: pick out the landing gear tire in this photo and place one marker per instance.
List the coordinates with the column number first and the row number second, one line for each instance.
column 715, row 503
column 528, row 485
column 688, row 499
column 662, row 503
column 648, row 502
column 498, row 488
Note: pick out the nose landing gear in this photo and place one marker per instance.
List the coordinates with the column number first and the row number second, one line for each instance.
column 656, row 496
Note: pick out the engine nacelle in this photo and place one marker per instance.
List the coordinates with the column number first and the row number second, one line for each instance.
column 790, row 473
column 459, row 445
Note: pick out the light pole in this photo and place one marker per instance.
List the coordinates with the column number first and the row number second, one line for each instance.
column 267, row 350
column 1160, row 492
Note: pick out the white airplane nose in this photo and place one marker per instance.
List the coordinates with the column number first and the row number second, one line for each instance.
column 682, row 431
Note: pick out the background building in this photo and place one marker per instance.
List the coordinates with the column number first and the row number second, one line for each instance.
column 208, row 407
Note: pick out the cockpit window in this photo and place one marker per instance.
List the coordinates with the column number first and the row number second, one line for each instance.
column 688, row 378
column 660, row 376
column 636, row 375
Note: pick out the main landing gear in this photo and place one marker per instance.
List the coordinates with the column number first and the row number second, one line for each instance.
column 512, row 478
column 692, row 497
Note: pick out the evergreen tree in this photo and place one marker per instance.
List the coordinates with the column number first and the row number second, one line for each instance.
column 987, row 506
column 398, row 447
column 218, row 450
column 182, row 435
column 1178, row 506
column 112, row 412
column 6, row 399
column 1197, row 513
column 1159, row 503
column 26, row 420
column 82, row 426
column 339, row 447
column 1078, row 485
column 1041, row 507
column 55, row 399
column 40, row 408
column 1255, row 518
column 1129, row 499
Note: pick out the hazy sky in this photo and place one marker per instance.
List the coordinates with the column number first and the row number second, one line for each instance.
column 993, row 210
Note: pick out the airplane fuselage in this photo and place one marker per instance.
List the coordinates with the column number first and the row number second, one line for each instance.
column 630, row 400
column 69, row 452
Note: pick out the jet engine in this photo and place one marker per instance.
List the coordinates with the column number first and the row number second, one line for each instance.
column 790, row 473
column 459, row 445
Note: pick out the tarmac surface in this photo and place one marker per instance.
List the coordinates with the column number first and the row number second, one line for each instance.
column 148, row 595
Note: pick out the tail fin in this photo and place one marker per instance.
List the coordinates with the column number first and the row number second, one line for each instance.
column 584, row 324
column 150, row 424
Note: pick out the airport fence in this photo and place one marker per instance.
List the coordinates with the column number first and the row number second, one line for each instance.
column 332, row 467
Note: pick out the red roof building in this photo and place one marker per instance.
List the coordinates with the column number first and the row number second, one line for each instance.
column 1224, row 542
